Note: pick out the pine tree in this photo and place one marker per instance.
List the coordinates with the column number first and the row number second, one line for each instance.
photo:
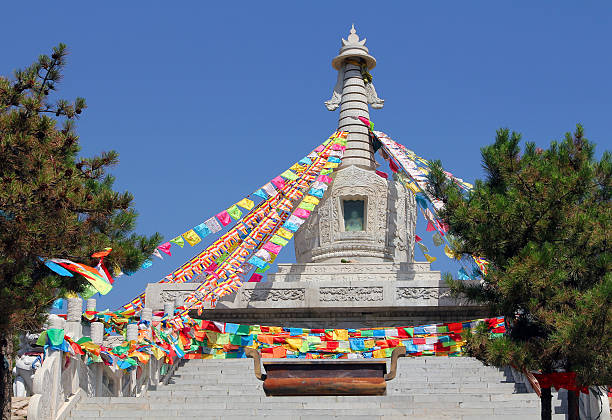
column 53, row 203
column 543, row 219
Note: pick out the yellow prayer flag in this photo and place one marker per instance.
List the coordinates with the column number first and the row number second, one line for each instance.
column 340, row 335
column 368, row 343
column 294, row 343
column 157, row 352
column 311, row 199
column 331, row 165
column 449, row 252
column 413, row 187
column 429, row 258
column 191, row 237
column 246, row 203
column 379, row 354
column 287, row 234
column 275, row 330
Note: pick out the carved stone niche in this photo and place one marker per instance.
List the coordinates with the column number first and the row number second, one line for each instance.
column 388, row 233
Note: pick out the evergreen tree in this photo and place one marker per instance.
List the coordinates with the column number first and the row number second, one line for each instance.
column 53, row 203
column 543, row 220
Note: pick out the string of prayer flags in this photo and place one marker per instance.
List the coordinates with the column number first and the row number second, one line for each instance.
column 412, row 170
column 269, row 194
column 267, row 228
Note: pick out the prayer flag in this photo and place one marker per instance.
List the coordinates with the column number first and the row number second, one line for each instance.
column 178, row 241
column 269, row 189
column 213, row 225
column 246, row 203
column 310, row 199
column 255, row 278
column 289, row 175
column 437, row 239
column 202, row 230
column 235, row 212
column 224, row 218
column 165, row 248
column 157, row 254
column 191, row 237
column 306, row 206
column 58, row 269
column 278, row 182
column 260, row 193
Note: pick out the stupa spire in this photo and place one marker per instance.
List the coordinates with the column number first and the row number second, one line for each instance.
column 353, row 93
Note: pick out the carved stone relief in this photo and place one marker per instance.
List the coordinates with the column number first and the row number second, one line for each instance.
column 350, row 294
column 424, row 293
column 272, row 295
column 171, row 295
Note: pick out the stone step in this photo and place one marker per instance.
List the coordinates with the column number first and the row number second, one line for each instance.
column 425, row 388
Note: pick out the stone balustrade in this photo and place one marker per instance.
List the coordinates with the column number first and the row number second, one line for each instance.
column 64, row 379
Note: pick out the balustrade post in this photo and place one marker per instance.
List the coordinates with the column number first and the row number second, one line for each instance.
column 74, row 330
column 90, row 306
column 97, row 337
column 132, row 335
column 146, row 314
column 169, row 309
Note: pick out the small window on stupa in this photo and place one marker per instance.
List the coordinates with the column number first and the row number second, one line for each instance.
column 353, row 215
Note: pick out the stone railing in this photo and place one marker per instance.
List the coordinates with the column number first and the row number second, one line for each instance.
column 64, row 379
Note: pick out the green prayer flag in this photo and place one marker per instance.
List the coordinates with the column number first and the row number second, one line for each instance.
column 235, row 339
column 120, row 350
column 279, row 240
column 289, row 175
column 326, row 171
column 243, row 330
column 88, row 291
column 442, row 328
column 83, row 340
column 409, row 331
column 55, row 336
column 263, row 270
column 178, row 241
column 42, row 339
column 235, row 212
column 306, row 206
column 367, row 333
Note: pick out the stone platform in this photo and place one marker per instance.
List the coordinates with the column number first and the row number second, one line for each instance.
column 334, row 295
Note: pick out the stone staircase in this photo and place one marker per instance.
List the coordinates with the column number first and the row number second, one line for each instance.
column 425, row 388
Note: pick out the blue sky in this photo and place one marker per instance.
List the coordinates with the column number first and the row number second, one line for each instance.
column 207, row 101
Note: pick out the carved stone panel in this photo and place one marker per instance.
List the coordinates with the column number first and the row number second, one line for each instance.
column 171, row 295
column 350, row 294
column 272, row 295
column 420, row 293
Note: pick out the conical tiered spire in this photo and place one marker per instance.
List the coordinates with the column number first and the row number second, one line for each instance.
column 353, row 92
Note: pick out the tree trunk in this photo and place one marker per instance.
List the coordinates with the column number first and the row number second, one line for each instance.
column 546, row 404
column 572, row 405
column 6, row 379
